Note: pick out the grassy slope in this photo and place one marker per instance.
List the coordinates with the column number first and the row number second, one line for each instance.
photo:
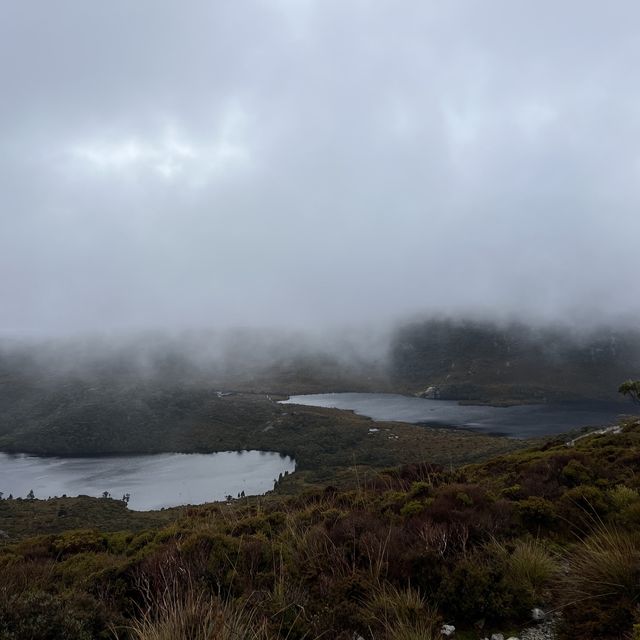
column 333, row 555
column 482, row 544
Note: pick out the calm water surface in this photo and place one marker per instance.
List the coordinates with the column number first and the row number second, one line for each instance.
column 524, row 421
column 154, row 481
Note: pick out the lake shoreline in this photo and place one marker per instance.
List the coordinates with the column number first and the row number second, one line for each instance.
column 523, row 421
column 146, row 482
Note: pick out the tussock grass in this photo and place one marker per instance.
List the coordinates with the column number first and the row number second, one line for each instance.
column 403, row 614
column 601, row 589
column 605, row 564
column 177, row 607
column 531, row 567
column 194, row 615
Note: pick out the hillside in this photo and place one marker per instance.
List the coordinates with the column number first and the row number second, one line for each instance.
column 487, row 362
column 382, row 534
column 98, row 387
column 76, row 419
column 394, row 557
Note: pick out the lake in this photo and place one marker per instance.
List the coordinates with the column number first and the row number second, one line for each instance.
column 153, row 481
column 522, row 421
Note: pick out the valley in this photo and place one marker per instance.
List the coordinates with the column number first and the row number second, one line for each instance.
column 397, row 500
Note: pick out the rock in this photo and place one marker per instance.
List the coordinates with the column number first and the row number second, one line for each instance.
column 432, row 393
column 447, row 630
column 538, row 614
column 543, row 629
column 497, row 636
column 513, row 638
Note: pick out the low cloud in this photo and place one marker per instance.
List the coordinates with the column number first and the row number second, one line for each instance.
column 312, row 164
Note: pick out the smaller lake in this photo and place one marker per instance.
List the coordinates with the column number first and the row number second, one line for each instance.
column 522, row 421
column 153, row 481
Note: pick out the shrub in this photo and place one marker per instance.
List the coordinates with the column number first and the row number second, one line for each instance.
column 575, row 473
column 38, row 615
column 412, row 508
column 537, row 512
column 79, row 541
column 476, row 588
column 622, row 497
column 464, row 498
column 420, row 489
column 583, row 504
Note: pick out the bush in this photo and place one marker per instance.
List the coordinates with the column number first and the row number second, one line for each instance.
column 412, row 508
column 575, row 473
column 476, row 588
column 622, row 497
column 537, row 512
column 38, row 615
column 583, row 504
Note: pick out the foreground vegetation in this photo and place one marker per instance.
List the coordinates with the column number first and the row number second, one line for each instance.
column 393, row 557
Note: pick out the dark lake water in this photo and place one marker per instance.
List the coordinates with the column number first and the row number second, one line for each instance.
column 524, row 421
column 154, row 481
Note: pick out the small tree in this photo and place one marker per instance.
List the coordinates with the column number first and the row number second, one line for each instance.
column 631, row 388
column 31, row 495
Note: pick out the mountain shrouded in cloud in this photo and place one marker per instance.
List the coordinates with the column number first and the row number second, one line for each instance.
column 315, row 163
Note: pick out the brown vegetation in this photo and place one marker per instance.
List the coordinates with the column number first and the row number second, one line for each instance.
column 393, row 557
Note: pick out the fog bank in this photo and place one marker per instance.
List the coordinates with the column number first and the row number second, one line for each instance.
column 313, row 164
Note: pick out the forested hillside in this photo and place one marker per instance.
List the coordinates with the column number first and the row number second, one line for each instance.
column 482, row 361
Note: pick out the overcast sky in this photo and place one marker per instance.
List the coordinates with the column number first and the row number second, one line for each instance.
column 291, row 162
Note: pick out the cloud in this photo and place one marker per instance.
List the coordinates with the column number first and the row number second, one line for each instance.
column 167, row 154
column 315, row 163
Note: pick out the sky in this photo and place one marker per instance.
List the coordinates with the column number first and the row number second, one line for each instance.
column 306, row 163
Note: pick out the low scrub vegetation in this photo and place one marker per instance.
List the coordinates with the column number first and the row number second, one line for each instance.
column 393, row 557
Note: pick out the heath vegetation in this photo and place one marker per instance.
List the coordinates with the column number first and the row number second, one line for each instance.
column 394, row 555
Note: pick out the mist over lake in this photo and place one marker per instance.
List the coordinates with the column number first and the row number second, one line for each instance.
column 153, row 481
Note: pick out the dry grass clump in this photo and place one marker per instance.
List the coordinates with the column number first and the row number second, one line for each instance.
column 607, row 563
column 403, row 614
column 601, row 588
column 180, row 610
column 533, row 568
column 195, row 616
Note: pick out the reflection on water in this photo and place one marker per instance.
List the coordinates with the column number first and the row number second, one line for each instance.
column 524, row 421
column 153, row 481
